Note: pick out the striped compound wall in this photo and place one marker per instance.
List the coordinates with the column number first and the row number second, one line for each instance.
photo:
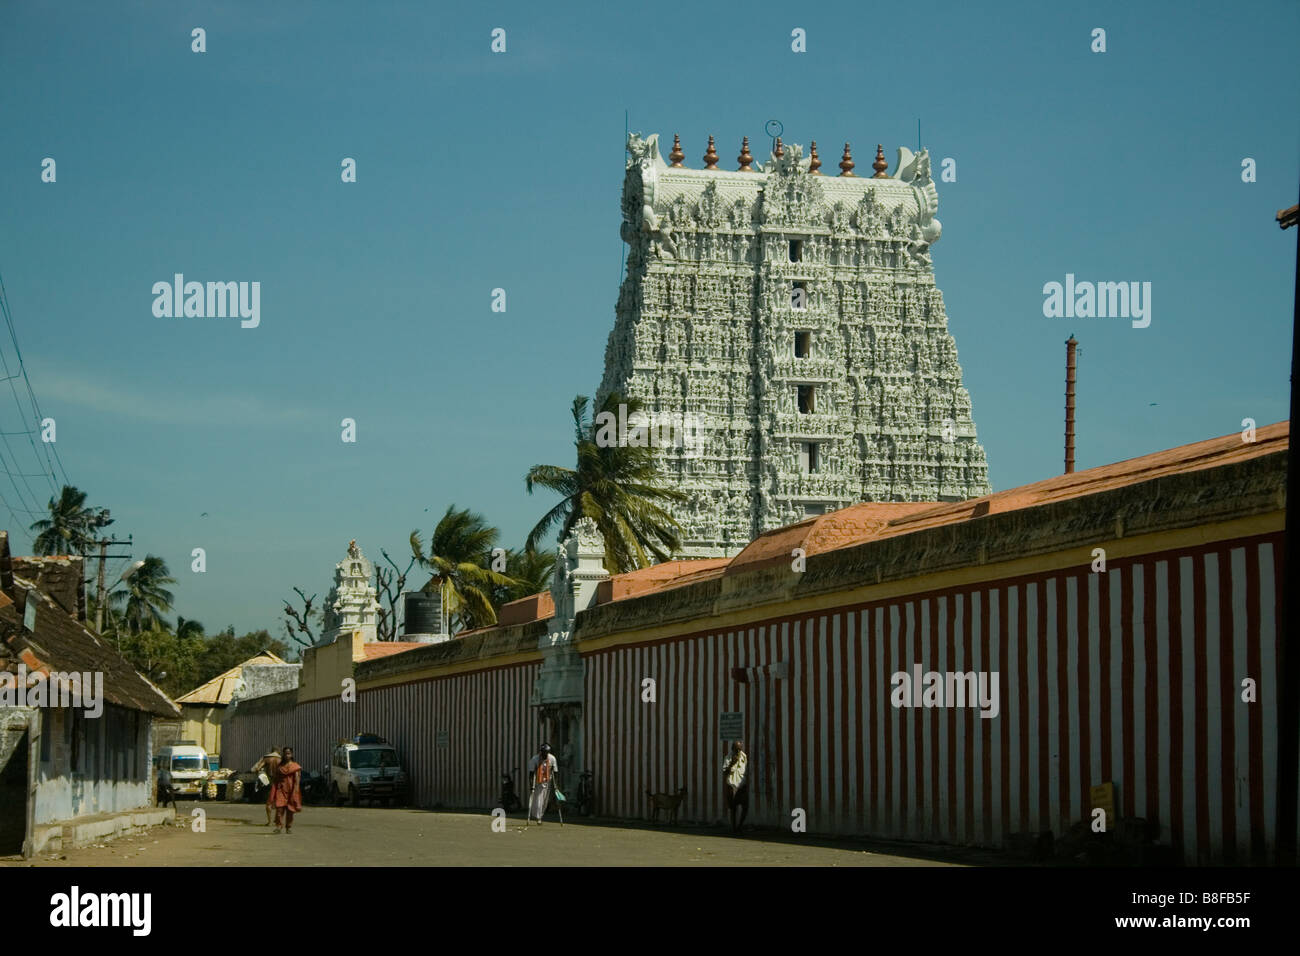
column 1133, row 675
column 455, row 734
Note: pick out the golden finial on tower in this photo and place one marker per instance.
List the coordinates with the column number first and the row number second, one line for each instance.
column 880, row 165
column 814, row 164
column 780, row 150
column 677, row 155
column 847, row 163
column 710, row 156
column 745, row 158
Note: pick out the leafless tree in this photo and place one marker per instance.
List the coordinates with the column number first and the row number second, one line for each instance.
column 390, row 585
column 300, row 621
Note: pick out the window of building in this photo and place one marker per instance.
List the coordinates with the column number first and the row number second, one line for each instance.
column 48, row 721
column 802, row 344
column 805, row 399
column 799, row 296
column 76, row 740
column 796, row 250
column 808, row 457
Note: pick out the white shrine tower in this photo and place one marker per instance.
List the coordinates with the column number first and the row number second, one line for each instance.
column 351, row 604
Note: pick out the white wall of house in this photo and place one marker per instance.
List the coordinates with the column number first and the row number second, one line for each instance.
column 91, row 766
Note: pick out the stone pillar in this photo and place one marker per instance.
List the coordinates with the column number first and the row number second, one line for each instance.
column 559, row 691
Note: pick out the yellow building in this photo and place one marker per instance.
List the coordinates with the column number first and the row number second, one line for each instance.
column 204, row 708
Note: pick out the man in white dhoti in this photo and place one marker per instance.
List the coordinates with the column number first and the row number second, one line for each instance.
column 736, row 784
column 542, row 769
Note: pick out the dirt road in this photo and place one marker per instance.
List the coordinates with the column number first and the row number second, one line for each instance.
column 236, row 835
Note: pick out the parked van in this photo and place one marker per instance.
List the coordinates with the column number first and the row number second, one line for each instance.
column 188, row 764
column 367, row 768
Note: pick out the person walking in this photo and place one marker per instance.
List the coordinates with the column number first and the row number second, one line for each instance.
column 542, row 768
column 267, row 766
column 287, row 791
column 166, row 795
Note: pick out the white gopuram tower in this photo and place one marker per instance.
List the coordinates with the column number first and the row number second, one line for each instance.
column 793, row 317
column 351, row 604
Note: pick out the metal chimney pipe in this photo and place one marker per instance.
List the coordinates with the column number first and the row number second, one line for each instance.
column 1070, row 365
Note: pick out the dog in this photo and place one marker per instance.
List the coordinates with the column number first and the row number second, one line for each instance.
column 668, row 802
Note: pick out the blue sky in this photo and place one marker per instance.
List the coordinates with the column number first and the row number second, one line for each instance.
column 479, row 170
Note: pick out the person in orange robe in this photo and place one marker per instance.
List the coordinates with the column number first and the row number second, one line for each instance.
column 288, row 791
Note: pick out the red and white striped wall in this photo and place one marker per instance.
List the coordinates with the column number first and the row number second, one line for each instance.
column 455, row 734
column 1133, row 675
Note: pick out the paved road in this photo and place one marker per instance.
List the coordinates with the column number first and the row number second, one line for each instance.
column 236, row 835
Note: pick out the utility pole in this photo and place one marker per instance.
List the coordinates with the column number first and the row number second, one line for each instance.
column 1070, row 363
column 1288, row 664
column 100, row 596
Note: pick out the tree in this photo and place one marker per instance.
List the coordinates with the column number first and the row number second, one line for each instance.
column 71, row 526
column 185, row 627
column 301, row 622
column 531, row 571
column 459, row 560
column 146, row 599
column 617, row 485
column 389, row 585
column 168, row 661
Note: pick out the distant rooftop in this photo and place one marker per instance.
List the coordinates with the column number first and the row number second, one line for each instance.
column 218, row 691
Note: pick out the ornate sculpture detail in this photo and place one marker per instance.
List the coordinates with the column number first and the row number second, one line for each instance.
column 710, row 156
column 706, row 326
column 745, row 158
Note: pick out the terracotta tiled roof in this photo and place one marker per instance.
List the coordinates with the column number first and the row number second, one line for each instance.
column 835, row 529
column 535, row 607
column 866, row 522
column 218, row 691
column 62, row 643
column 373, row 649
column 659, row 576
column 860, row 523
column 60, row 577
column 1286, row 218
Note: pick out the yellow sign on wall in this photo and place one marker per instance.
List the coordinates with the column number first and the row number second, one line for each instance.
column 1103, row 795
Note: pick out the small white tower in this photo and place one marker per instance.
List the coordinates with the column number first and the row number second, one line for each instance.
column 351, row 604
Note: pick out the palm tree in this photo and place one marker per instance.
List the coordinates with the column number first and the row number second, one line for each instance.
column 146, row 598
column 459, row 554
column 531, row 571
column 188, row 627
column 71, row 525
column 617, row 486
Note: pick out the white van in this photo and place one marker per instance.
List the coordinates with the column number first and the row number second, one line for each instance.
column 187, row 763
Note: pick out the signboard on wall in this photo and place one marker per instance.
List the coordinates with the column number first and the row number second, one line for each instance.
column 1102, row 796
column 731, row 726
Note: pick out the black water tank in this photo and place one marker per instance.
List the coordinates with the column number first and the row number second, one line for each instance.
column 421, row 613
